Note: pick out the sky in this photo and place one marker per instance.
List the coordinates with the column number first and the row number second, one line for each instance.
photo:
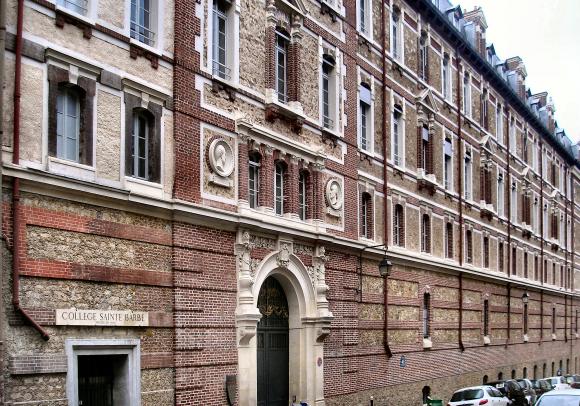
column 546, row 35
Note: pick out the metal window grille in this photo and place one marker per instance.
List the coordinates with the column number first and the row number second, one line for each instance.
column 78, row 6
column 141, row 21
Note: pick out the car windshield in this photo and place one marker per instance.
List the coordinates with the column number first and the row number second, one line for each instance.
column 559, row 400
column 469, row 394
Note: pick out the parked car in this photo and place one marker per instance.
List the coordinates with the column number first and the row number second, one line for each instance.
column 478, row 395
column 512, row 390
column 563, row 397
column 573, row 381
column 541, row 386
column 529, row 391
column 558, row 382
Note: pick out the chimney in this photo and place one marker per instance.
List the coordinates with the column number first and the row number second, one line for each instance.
column 516, row 65
column 477, row 18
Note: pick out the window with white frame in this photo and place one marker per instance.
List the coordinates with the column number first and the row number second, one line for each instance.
column 328, row 90
column 469, row 246
column 281, row 74
column 143, row 18
column 423, row 57
column 302, row 187
column 364, row 16
column 221, row 39
column 366, row 215
column 512, row 131
column 396, row 40
column 279, row 188
column 399, row 226
column 364, row 119
column 68, row 117
column 446, row 77
column 544, row 164
column 468, row 173
column 426, row 233
column 536, row 215
column 253, row 179
column 78, row 6
column 448, row 164
column 499, row 124
column 534, row 156
column 500, row 193
column 545, row 222
column 562, row 230
column 466, row 94
column 514, row 202
column 140, row 144
column 398, row 138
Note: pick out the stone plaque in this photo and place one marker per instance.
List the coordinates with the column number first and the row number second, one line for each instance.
column 113, row 318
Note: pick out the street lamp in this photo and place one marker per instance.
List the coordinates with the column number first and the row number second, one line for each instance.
column 385, row 267
column 525, row 298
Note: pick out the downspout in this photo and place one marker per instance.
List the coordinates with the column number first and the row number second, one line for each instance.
column 509, row 306
column 460, row 180
column 2, row 73
column 541, row 316
column 567, row 275
column 509, row 230
column 388, row 351
column 542, row 214
column 16, row 226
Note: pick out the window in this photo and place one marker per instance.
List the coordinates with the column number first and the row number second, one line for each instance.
column 446, row 78
column 500, row 257
column 253, row 179
column 553, row 320
column 526, row 265
column 142, row 21
column 514, row 203
column 426, row 233
column 424, row 57
column 448, row 164
column 425, row 158
column 449, row 240
column 500, row 376
column 484, row 113
column 536, row 215
column 525, row 148
column 220, row 40
column 426, row 392
column 576, row 322
column 364, row 16
column 328, row 92
column 281, row 76
column 486, row 252
column 536, row 270
column 364, row 117
column 525, row 318
column 513, row 374
column 545, row 222
column 78, row 6
column 514, row 261
column 279, row 188
column 512, row 130
column 467, row 174
column 545, row 280
column 302, row 190
column 498, row 124
column 398, row 136
column 399, row 226
column 485, row 180
column 396, row 39
column 466, row 94
column 500, row 194
column 486, row 317
column 535, row 372
column 469, row 247
column 140, row 144
column 426, row 315
column 366, row 216
column 535, row 149
column 525, row 373
column 68, row 124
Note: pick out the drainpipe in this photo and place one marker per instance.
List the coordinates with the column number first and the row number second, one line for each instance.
column 2, row 65
column 541, row 316
column 509, row 198
column 460, row 180
column 542, row 214
column 16, row 226
column 509, row 306
column 567, row 276
column 385, row 189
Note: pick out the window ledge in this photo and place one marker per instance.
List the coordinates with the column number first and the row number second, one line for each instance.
column 427, row 181
column 73, row 14
column 138, row 48
column 71, row 169
column 292, row 111
column 65, row 15
column 143, row 187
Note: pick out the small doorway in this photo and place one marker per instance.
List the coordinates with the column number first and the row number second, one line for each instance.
column 272, row 345
column 102, row 380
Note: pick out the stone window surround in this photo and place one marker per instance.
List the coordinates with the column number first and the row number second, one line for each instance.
column 368, row 33
column 157, row 27
column 129, row 347
column 335, row 99
column 233, row 63
column 368, row 80
column 367, row 191
column 398, row 107
column 399, row 200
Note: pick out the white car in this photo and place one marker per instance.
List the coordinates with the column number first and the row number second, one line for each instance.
column 564, row 397
column 479, row 395
column 558, row 382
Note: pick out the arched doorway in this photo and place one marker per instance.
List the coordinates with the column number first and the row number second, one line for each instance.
column 272, row 345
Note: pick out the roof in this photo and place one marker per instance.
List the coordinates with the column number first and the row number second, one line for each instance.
column 575, row 392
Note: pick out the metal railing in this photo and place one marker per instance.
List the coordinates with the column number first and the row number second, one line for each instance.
column 142, row 34
column 221, row 70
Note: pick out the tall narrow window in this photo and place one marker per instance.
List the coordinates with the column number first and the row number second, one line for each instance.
column 78, row 6
column 576, row 322
column 395, row 35
column 553, row 273
column 498, row 124
column 512, row 134
column 469, row 247
column 279, row 187
column 399, row 226
column 545, row 222
column 364, row 16
column 525, row 318
column 514, row 203
column 140, row 145
column 253, row 179
column 486, row 317
column 364, row 117
column 536, row 215
column 486, row 252
column 545, row 272
column 366, row 215
column 423, row 57
column 220, row 39
column 536, row 270
column 449, row 240
column 282, row 42
column 500, row 194
column 514, row 261
column 425, row 233
column 526, row 265
column 328, row 92
column 446, row 78
column 525, row 148
column 500, row 257
column 484, row 112
column 448, row 164
column 68, row 119
column 141, row 21
column 398, row 137
column 425, row 152
column 553, row 320
column 466, row 94
column 426, row 315
column 467, row 173
column 302, row 187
